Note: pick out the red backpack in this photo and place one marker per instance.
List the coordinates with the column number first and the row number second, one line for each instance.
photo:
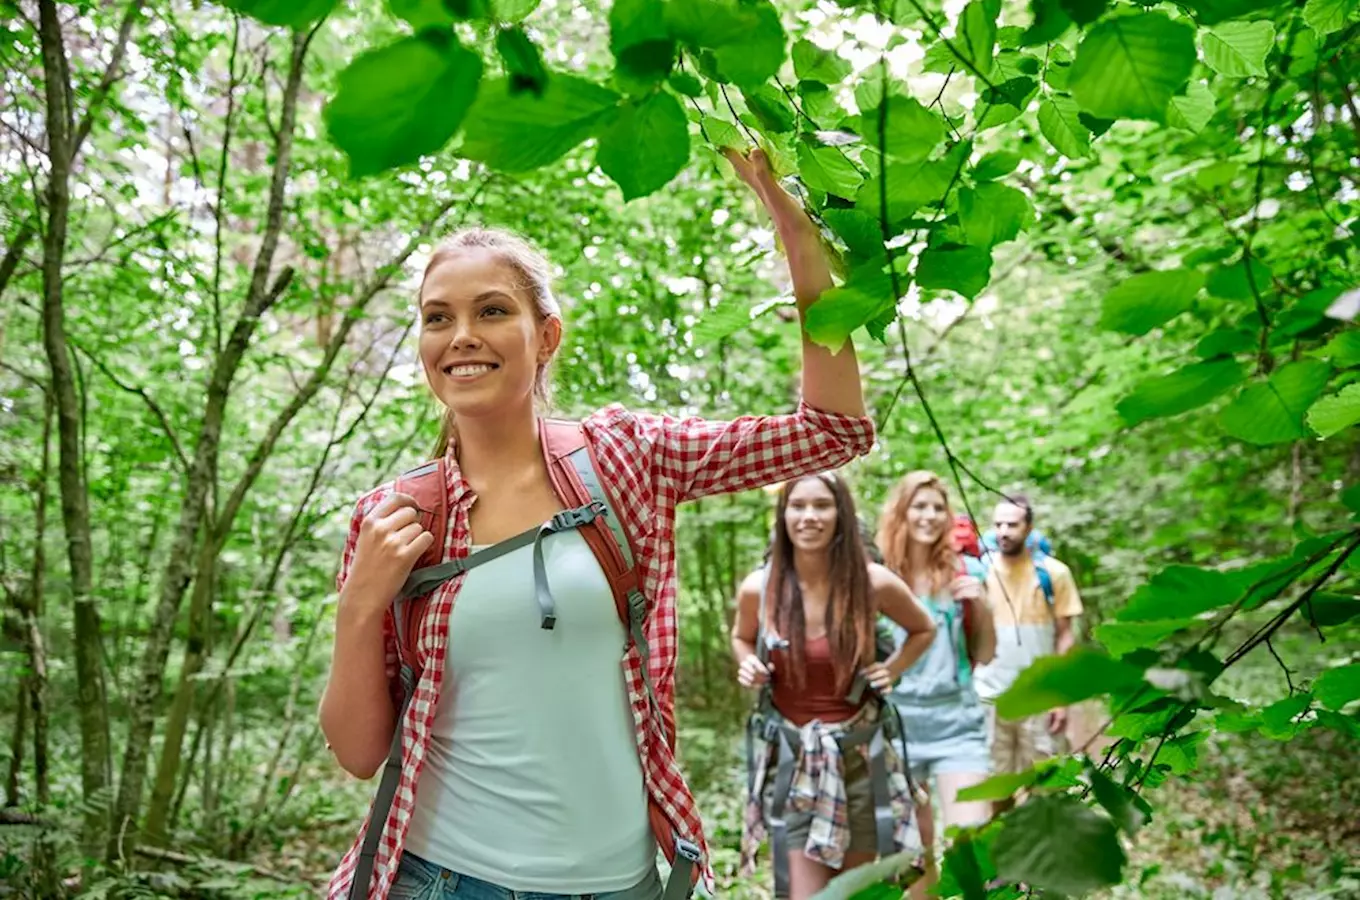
column 577, row 483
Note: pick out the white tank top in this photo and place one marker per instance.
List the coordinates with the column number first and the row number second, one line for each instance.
column 532, row 779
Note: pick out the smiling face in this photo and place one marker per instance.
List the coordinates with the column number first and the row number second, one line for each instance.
column 1012, row 524
column 810, row 516
column 485, row 336
column 927, row 516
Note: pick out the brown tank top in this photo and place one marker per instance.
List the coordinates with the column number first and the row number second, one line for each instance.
column 818, row 697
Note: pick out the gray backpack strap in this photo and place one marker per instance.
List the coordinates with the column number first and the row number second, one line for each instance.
column 637, row 603
column 387, row 792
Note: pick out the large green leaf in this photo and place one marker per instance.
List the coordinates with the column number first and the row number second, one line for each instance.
column 1272, row 412
column 771, row 108
column 1240, row 280
column 746, row 39
column 865, row 296
column 398, row 103
column 518, row 132
column 1336, row 412
column 912, row 132
column 1180, row 591
column 977, row 33
column 1060, row 124
column 962, row 870
column 1182, row 753
column 522, row 60
column 1326, row 16
column 1054, row 681
column 1183, row 390
column 1059, row 844
column 1004, row 785
column 812, row 63
column 290, row 13
column 870, row 882
column 1211, row 12
column 964, row 270
column 828, row 169
column 1146, row 301
column 992, row 214
column 910, row 187
column 1122, row 638
column 643, row 49
column 859, row 230
column 1129, row 67
column 1343, row 349
column 645, row 145
column 996, row 165
column 1337, row 687
column 1192, row 110
column 1117, row 800
column 422, row 14
column 513, row 10
column 1238, row 49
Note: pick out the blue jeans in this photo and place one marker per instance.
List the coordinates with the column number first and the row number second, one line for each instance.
column 419, row 879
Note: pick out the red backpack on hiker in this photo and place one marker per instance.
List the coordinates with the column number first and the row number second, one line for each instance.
column 576, row 482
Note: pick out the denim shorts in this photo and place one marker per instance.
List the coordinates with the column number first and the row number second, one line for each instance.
column 419, row 879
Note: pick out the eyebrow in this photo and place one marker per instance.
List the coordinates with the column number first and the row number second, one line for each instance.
column 483, row 297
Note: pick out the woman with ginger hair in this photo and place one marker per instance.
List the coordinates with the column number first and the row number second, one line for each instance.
column 945, row 723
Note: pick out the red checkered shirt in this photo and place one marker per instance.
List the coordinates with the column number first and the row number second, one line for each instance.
column 650, row 464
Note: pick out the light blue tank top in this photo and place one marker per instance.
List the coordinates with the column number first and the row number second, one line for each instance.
column 532, row 779
column 942, row 673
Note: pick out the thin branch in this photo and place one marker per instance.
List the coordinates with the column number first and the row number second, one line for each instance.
column 150, row 402
column 1288, row 679
column 101, row 92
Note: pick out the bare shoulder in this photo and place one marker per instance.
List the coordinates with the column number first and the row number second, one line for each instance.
column 752, row 584
column 884, row 580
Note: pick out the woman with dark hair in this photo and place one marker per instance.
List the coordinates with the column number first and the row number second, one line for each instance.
column 946, row 727
column 815, row 605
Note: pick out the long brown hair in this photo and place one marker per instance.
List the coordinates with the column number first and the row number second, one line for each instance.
column 894, row 536
column 849, row 609
column 534, row 276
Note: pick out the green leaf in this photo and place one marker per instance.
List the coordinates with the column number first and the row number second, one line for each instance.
column 1053, row 681
column 290, row 13
column 1084, row 12
column 722, row 134
column 962, row 868
column 912, row 130
column 977, row 33
column 1339, row 686
column 686, row 84
column 870, row 882
column 858, row 229
column 422, row 14
column 1235, row 282
column 828, row 169
column 1116, row 800
column 1131, row 66
column 513, row 10
column 1211, row 12
column 866, row 294
column 1185, row 389
column 1060, row 126
column 964, row 270
column 1336, row 412
column 1326, row 16
column 992, row 214
column 1334, row 609
column 996, row 165
column 1050, row 22
column 1059, row 844
column 1180, row 591
column 1001, row 786
column 523, row 61
column 1182, row 753
column 1343, row 349
column 1149, row 300
column 771, row 108
column 518, row 132
column 645, row 145
column 1225, row 342
column 812, row 63
column 1238, row 49
column 1278, row 720
column 643, row 50
column 1272, row 412
column 746, row 38
column 910, row 187
column 1192, row 110
column 400, row 102
column 1122, row 638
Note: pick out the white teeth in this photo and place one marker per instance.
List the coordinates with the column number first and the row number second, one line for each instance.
column 468, row 370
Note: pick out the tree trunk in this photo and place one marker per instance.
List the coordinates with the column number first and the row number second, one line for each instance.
column 75, row 507
column 16, row 743
column 175, row 579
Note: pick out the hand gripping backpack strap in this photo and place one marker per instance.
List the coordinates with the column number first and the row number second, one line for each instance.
column 576, row 480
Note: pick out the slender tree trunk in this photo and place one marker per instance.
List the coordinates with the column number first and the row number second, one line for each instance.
column 16, row 742
column 175, row 579
column 75, row 508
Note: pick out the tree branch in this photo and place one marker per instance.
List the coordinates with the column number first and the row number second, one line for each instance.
column 146, row 398
column 101, row 92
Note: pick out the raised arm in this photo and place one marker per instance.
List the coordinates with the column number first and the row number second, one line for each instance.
column 831, row 382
